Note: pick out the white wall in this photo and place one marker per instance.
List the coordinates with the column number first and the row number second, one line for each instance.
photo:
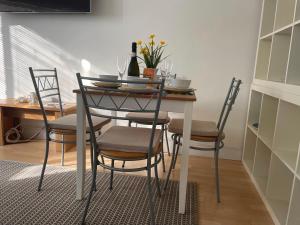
column 209, row 42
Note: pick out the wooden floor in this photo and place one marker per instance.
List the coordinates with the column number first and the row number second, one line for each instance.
column 240, row 204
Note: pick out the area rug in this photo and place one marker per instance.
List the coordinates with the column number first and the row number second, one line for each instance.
column 127, row 203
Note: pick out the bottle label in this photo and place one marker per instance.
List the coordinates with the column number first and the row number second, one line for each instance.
column 133, row 54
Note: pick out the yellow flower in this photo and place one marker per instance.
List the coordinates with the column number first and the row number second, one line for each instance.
column 162, row 42
column 152, row 36
column 152, row 43
column 139, row 42
column 144, row 51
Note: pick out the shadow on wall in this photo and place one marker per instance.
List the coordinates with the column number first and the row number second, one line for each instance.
column 21, row 48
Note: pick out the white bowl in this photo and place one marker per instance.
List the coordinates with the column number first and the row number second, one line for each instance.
column 134, row 85
column 179, row 83
column 108, row 77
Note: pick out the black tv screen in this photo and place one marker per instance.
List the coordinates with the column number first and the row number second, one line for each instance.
column 51, row 6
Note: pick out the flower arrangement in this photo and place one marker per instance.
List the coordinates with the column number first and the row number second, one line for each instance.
column 152, row 53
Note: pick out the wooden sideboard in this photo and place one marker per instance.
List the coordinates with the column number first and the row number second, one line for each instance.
column 11, row 112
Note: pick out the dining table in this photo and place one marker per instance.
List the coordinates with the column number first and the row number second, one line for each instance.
column 177, row 103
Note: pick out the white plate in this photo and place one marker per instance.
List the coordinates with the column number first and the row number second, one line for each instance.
column 107, row 84
column 179, row 90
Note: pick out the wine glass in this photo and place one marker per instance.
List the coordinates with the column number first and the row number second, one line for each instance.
column 165, row 70
column 122, row 66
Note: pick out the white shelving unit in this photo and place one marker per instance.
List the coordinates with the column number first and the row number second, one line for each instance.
column 297, row 17
column 294, row 218
column 287, row 135
column 294, row 65
column 272, row 137
column 249, row 151
column 263, row 58
column 268, row 17
column 254, row 112
column 285, row 13
column 279, row 188
column 262, row 165
column 279, row 56
column 267, row 119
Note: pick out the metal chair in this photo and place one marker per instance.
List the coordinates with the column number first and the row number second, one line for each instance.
column 123, row 143
column 147, row 119
column 46, row 86
column 206, row 131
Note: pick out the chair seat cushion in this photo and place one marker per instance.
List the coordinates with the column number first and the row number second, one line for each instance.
column 69, row 122
column 199, row 128
column 129, row 155
column 147, row 118
column 128, row 139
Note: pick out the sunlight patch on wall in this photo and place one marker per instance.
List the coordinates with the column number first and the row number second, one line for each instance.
column 28, row 48
column 2, row 69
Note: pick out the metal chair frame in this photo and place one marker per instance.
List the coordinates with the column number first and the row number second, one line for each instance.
column 218, row 143
column 110, row 93
column 46, row 85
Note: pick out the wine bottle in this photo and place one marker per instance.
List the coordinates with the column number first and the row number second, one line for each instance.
column 133, row 68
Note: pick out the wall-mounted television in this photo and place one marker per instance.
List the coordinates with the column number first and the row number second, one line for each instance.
column 46, row 6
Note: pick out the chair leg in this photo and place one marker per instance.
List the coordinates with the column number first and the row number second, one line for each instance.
column 92, row 165
column 163, row 161
column 151, row 204
column 123, row 164
column 92, row 156
column 111, row 174
column 44, row 165
column 62, row 150
column 167, row 139
column 177, row 149
column 216, row 154
column 157, row 178
column 94, row 173
column 172, row 162
column 162, row 155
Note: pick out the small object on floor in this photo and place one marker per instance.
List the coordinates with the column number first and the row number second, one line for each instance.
column 255, row 125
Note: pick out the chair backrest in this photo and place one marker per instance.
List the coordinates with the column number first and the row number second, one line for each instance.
column 229, row 102
column 121, row 100
column 46, row 87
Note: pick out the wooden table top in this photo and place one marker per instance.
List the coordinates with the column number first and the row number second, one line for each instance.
column 13, row 103
column 178, row 97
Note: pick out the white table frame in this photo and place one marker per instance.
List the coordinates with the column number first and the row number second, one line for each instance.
column 178, row 106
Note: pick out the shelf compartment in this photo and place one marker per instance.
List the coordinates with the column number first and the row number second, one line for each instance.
column 279, row 188
column 254, row 109
column 262, row 165
column 294, row 216
column 293, row 74
column 263, row 58
column 279, row 55
column 297, row 16
column 284, row 13
column 268, row 17
column 267, row 120
column 249, row 149
column 287, row 135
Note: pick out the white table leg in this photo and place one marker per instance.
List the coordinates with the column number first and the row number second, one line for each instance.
column 80, row 145
column 114, row 122
column 184, row 161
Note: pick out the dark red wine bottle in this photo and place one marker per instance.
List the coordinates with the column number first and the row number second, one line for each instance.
column 133, row 68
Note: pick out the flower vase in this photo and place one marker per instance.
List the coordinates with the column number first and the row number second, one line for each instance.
column 150, row 73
